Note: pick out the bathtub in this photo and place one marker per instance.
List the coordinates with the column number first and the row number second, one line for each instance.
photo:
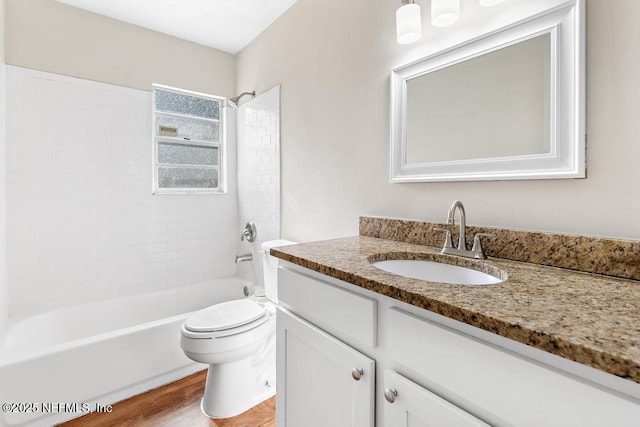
column 57, row 365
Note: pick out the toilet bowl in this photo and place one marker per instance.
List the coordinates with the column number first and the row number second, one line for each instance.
column 237, row 340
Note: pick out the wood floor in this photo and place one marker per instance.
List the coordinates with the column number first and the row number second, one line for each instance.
column 175, row 405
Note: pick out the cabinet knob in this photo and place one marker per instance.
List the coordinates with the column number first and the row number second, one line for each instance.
column 357, row 373
column 390, row 395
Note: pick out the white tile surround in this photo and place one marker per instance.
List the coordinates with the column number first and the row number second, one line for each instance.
column 259, row 174
column 82, row 223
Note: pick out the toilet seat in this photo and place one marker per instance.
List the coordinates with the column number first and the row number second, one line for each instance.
column 225, row 319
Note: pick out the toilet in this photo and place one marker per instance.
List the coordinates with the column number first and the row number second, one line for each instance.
column 237, row 340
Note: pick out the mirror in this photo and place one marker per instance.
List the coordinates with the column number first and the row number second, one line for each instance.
column 508, row 105
column 502, row 96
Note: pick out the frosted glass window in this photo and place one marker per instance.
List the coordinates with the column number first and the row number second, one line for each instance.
column 185, row 127
column 188, row 142
column 187, row 178
column 187, row 154
column 172, row 102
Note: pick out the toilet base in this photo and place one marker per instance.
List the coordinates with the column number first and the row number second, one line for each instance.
column 232, row 388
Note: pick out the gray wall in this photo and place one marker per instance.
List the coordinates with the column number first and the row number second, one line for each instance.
column 4, row 292
column 50, row 36
column 333, row 60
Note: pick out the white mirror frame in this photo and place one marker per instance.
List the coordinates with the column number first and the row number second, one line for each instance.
column 566, row 158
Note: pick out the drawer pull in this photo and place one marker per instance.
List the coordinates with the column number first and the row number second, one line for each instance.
column 390, row 395
column 357, row 373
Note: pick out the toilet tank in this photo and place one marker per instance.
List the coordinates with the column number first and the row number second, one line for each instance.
column 270, row 268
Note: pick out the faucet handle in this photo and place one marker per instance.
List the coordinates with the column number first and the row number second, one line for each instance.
column 447, row 238
column 477, row 245
column 249, row 232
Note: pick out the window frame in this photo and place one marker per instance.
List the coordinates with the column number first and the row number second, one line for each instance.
column 221, row 145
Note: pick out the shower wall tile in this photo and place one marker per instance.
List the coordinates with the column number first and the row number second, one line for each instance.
column 82, row 222
column 259, row 173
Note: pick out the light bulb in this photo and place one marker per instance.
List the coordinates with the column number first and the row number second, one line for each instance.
column 444, row 12
column 408, row 23
column 488, row 3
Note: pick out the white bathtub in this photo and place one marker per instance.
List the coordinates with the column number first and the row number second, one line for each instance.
column 100, row 352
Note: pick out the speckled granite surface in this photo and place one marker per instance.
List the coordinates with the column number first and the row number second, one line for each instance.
column 588, row 318
column 619, row 258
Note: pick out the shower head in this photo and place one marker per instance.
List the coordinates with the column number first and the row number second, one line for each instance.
column 236, row 99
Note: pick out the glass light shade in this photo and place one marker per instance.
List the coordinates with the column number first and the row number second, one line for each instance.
column 488, row 3
column 408, row 23
column 444, row 12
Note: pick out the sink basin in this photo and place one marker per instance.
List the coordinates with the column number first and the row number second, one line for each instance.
column 436, row 272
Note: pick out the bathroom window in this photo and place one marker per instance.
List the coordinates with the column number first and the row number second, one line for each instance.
column 188, row 142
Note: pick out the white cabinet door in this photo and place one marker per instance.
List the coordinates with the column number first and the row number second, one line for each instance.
column 409, row 405
column 320, row 380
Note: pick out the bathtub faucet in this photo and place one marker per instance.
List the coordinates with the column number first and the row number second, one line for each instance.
column 249, row 232
column 244, row 257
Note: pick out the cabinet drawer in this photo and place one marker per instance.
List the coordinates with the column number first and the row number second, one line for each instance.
column 342, row 313
column 510, row 387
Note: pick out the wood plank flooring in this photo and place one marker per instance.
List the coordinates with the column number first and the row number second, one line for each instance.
column 175, row 405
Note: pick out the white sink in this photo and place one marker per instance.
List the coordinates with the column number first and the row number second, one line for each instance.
column 436, row 272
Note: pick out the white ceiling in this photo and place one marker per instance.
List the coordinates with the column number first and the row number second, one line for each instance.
column 228, row 25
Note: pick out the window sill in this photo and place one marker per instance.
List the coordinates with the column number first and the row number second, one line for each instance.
column 187, row 191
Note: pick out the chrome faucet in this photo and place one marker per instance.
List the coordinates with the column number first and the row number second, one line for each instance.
column 243, row 257
column 451, row 219
column 448, row 248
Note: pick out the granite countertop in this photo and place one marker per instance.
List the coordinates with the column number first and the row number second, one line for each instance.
column 588, row 318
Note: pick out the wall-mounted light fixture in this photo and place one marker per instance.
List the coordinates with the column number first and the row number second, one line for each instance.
column 408, row 22
column 488, row 3
column 444, row 12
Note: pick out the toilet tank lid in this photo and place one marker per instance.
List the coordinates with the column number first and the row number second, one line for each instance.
column 266, row 246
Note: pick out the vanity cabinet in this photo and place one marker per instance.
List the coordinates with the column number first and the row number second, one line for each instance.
column 496, row 384
column 321, row 380
column 410, row 405
column 431, row 370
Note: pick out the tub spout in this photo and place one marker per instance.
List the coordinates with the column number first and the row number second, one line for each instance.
column 243, row 257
